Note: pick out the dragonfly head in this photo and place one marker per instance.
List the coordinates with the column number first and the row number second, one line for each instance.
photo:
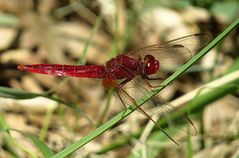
column 151, row 65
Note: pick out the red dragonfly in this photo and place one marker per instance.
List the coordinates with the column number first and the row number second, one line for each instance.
column 123, row 72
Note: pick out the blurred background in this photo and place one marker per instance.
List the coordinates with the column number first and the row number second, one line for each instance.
column 91, row 32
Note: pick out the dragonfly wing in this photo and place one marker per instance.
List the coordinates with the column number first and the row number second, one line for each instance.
column 125, row 90
column 176, row 56
column 176, row 51
column 168, row 114
column 171, row 116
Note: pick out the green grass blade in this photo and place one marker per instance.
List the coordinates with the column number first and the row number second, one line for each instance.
column 3, row 124
column 16, row 94
column 8, row 20
column 6, row 92
column 88, row 43
column 40, row 145
column 45, row 150
column 46, row 123
column 73, row 147
column 19, row 94
column 213, row 94
column 205, row 96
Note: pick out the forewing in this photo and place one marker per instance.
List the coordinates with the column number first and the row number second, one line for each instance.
column 177, row 51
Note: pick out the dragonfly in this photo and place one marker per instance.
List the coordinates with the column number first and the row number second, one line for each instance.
column 135, row 69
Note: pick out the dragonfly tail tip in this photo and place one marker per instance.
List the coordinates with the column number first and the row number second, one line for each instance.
column 21, row 67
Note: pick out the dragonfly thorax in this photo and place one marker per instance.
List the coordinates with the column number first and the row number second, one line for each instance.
column 124, row 66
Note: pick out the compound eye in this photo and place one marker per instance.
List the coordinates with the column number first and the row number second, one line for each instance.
column 151, row 65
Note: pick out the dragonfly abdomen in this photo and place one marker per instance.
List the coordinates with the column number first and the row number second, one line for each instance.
column 88, row 71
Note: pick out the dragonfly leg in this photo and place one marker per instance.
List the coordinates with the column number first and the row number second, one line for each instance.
column 153, row 78
column 125, row 81
column 121, row 98
column 147, row 79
